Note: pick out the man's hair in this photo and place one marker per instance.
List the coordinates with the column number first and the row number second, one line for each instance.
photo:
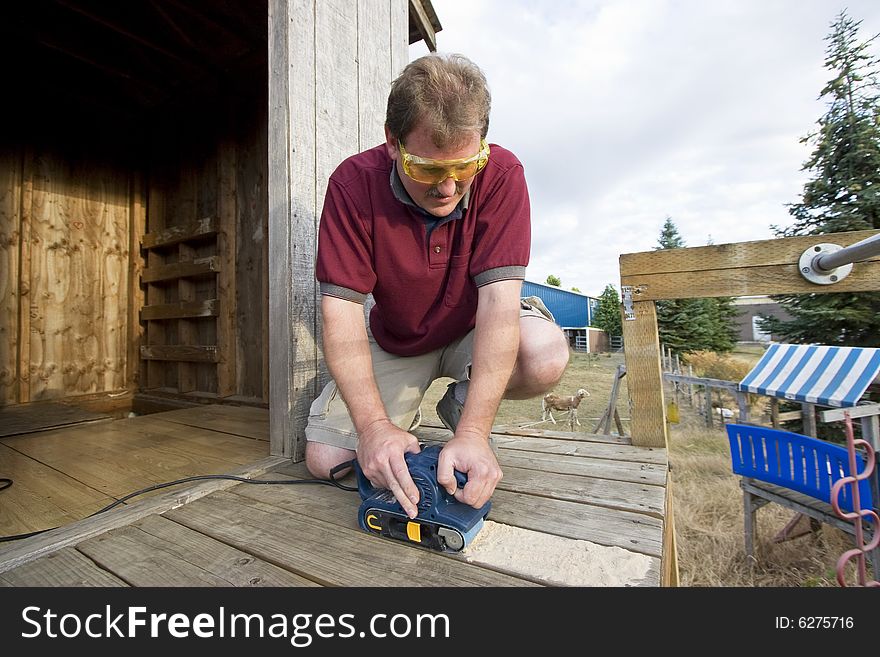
column 448, row 92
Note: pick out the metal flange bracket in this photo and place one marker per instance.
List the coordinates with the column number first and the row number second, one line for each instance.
column 810, row 270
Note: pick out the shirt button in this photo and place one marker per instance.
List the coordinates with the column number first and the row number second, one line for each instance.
column 437, row 249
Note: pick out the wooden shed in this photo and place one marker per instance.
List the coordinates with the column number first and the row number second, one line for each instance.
column 136, row 190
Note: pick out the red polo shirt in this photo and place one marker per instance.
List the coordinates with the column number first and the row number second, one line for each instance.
column 424, row 282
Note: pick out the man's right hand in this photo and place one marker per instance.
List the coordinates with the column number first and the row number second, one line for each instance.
column 380, row 451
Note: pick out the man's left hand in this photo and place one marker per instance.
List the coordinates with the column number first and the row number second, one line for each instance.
column 472, row 455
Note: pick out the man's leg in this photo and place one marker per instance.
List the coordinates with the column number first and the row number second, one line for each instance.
column 330, row 434
column 542, row 358
column 540, row 363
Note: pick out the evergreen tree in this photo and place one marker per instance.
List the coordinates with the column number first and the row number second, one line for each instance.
column 844, row 193
column 608, row 313
column 669, row 237
column 693, row 324
column 553, row 280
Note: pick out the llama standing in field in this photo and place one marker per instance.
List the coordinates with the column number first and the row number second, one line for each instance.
column 553, row 402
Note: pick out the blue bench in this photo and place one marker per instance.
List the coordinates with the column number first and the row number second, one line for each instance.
column 794, row 471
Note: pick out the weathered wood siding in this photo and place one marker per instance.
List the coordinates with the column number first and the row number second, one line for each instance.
column 206, row 248
column 330, row 66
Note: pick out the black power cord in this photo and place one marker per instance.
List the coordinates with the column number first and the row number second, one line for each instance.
column 333, row 481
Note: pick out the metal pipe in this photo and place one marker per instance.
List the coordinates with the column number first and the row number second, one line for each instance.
column 826, row 262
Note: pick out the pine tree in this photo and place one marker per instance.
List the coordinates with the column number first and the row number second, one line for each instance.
column 693, row 324
column 844, row 193
column 608, row 313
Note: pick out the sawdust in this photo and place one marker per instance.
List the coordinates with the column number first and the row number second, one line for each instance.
column 554, row 559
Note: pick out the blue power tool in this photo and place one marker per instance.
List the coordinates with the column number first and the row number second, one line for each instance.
column 442, row 523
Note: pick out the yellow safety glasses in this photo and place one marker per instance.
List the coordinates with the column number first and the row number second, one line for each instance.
column 433, row 172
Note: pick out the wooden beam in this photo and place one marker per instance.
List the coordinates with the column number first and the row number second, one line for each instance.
column 418, row 16
column 135, row 369
column 644, row 376
column 836, row 414
column 177, row 57
column 284, row 17
column 180, row 353
column 187, row 333
column 669, row 559
column 740, row 269
column 200, row 267
column 181, row 309
column 206, row 227
column 227, row 380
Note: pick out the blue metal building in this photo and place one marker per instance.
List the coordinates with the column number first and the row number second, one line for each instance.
column 572, row 310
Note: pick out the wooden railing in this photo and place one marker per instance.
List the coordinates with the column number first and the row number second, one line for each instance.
column 724, row 270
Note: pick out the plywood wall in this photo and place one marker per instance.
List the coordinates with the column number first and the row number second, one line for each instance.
column 331, row 63
column 10, row 249
column 74, row 210
column 64, row 287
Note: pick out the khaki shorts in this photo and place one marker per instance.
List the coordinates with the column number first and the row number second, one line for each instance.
column 402, row 382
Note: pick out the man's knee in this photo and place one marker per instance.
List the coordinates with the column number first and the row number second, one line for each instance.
column 543, row 357
column 322, row 458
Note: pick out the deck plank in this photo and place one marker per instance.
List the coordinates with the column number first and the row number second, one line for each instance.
column 630, row 531
column 65, row 567
column 570, row 446
column 655, row 455
column 246, row 421
column 28, row 549
column 324, row 551
column 124, row 456
column 39, row 416
column 155, row 551
column 643, row 473
column 42, row 497
column 513, row 430
column 623, row 495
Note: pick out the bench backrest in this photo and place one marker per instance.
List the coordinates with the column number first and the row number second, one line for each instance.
column 801, row 463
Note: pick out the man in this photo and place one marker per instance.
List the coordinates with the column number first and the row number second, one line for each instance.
column 434, row 223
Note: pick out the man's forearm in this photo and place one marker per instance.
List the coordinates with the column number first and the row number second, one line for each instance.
column 347, row 354
column 496, row 344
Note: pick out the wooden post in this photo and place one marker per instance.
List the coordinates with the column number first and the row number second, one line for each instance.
column 808, row 412
column 227, row 344
column 708, row 398
column 645, row 379
column 325, row 88
column 774, row 412
column 742, row 401
column 136, row 368
column 691, row 386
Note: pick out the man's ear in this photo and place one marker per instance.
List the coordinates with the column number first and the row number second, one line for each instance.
column 391, row 144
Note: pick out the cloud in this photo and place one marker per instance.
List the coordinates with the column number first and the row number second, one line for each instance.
column 625, row 112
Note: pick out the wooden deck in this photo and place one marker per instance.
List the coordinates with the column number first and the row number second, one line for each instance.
column 599, row 489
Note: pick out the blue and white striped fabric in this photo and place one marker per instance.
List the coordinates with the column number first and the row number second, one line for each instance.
column 831, row 376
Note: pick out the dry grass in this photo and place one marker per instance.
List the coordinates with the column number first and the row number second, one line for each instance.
column 707, row 497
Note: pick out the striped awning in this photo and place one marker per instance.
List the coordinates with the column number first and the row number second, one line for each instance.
column 831, row 376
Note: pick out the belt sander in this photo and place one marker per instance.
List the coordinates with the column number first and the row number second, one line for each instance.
column 442, row 523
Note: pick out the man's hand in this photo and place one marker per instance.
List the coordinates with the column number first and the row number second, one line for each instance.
column 380, row 453
column 471, row 454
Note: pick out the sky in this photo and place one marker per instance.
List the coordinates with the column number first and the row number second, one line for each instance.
column 626, row 112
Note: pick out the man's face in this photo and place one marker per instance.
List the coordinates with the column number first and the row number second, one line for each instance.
column 440, row 199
